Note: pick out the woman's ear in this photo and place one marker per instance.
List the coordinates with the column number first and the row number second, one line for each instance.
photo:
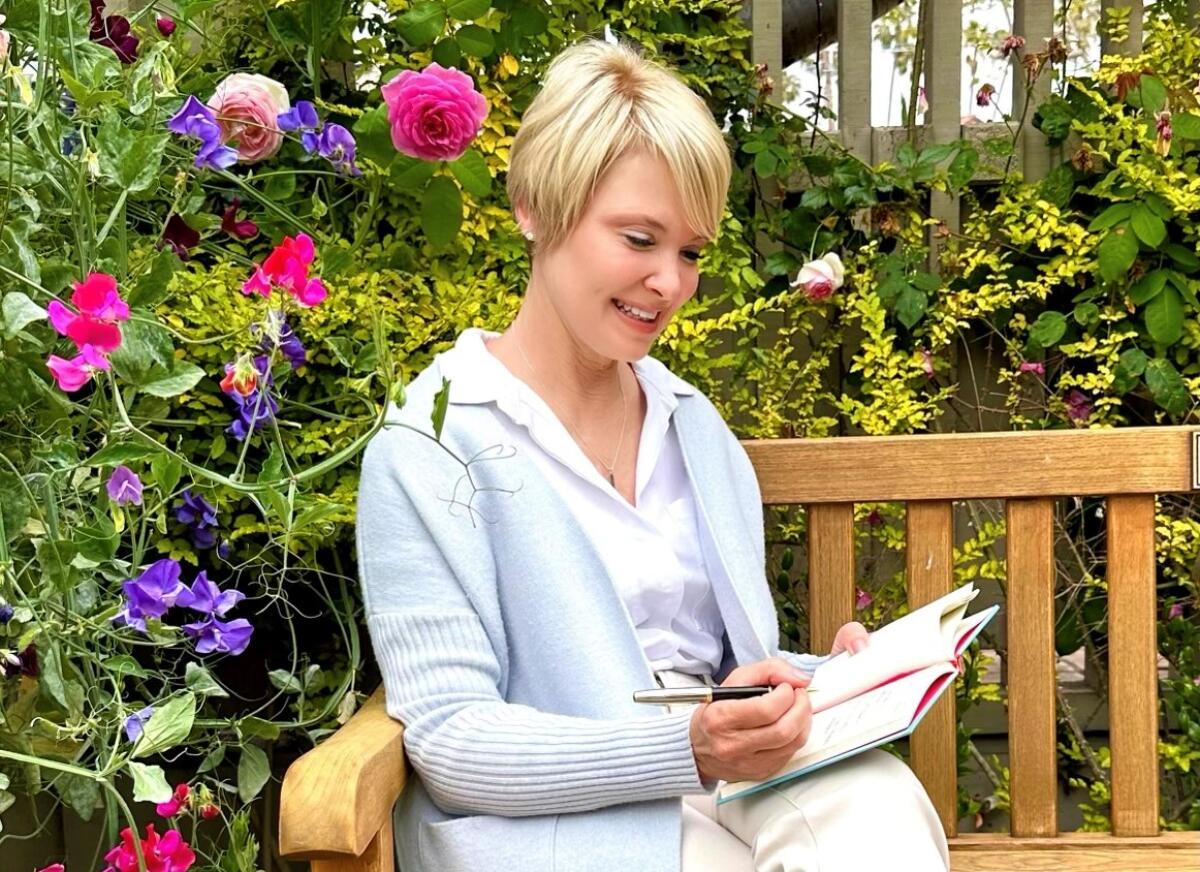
column 524, row 222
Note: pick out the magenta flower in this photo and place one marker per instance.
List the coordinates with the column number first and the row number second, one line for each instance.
column 874, row 519
column 1176, row 610
column 862, row 599
column 165, row 25
column 54, row 867
column 124, row 487
column 181, row 236
column 178, row 800
column 1010, row 44
column 1033, row 366
column 244, row 229
column 71, row 375
column 166, row 853
column 287, row 267
column 983, row 97
column 434, row 114
column 99, row 306
column 927, row 363
column 112, row 32
column 1079, row 407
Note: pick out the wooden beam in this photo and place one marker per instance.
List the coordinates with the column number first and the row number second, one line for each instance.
column 930, row 574
column 943, row 89
column 830, row 572
column 1033, row 19
column 1041, row 463
column 1075, row 852
column 380, row 856
column 1132, row 665
column 1032, row 743
column 854, row 76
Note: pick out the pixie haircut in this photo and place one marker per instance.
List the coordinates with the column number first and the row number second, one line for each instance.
column 598, row 101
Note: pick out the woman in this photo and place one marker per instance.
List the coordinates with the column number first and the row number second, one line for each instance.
column 605, row 535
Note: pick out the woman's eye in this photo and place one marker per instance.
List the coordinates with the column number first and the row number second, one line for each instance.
column 692, row 256
column 639, row 242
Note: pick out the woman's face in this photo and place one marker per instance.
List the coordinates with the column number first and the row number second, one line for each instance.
column 627, row 266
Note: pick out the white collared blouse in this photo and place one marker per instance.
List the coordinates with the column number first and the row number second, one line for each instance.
column 650, row 549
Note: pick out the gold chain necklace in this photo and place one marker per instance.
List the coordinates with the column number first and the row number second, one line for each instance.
column 592, row 453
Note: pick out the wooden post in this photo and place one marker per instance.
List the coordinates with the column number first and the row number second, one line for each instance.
column 1034, row 20
column 943, row 90
column 830, row 571
column 854, row 77
column 1132, row 43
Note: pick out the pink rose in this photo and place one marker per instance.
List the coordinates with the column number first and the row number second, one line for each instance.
column 820, row 278
column 3, row 46
column 434, row 114
column 246, row 106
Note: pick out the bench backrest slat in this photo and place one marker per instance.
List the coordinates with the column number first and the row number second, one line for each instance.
column 1132, row 665
column 1031, row 676
column 929, row 530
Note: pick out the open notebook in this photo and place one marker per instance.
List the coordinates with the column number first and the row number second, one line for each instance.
column 881, row 693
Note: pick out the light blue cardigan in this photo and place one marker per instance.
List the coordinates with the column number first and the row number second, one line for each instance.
column 510, row 659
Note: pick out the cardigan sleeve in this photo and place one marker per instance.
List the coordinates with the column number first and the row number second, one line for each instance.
column 475, row 752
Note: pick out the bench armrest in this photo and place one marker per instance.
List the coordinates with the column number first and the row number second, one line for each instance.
column 338, row 797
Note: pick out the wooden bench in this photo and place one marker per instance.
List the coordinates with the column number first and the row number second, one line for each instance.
column 336, row 802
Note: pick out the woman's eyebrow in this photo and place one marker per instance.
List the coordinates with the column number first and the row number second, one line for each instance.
column 646, row 219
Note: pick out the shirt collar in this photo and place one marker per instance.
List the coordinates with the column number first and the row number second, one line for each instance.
column 478, row 376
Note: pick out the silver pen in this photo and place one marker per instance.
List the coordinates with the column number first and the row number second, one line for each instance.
column 681, row 695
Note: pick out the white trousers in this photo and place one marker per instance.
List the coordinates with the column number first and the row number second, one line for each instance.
column 866, row 813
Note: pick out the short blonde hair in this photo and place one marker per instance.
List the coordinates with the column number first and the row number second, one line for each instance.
column 598, row 101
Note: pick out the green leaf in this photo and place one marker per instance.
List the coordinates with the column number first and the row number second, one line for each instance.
column 200, row 680
column 1116, row 254
column 1058, row 185
column 472, row 173
column 814, row 198
column 129, row 158
column 440, row 403
column 467, row 10
column 1186, row 125
column 97, row 542
column 252, row 727
column 166, row 470
column 1053, row 117
column 962, row 168
column 252, row 772
column 373, row 137
column 1114, row 214
column 211, row 760
column 911, row 306
column 149, row 783
column 1130, row 365
column 475, row 41
column 55, row 556
column 1048, row 328
column 422, row 24
column 19, row 312
column 1148, row 226
column 447, row 53
column 1086, row 313
column 781, row 263
column 119, row 453
column 1164, row 317
column 1167, row 386
column 81, row 794
column 144, row 344
column 1150, row 95
column 284, row 680
column 279, row 186
column 123, row 665
column 411, row 173
column 14, row 504
column 528, row 21
column 181, row 378
column 52, row 684
column 1148, row 287
column 153, row 287
column 1185, row 258
column 170, row 725
column 765, row 164
column 441, row 211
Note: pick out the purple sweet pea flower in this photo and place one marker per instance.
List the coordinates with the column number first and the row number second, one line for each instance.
column 195, row 511
column 25, row 663
column 222, row 637
column 206, row 597
column 136, row 722
column 6, row 613
column 197, row 121
column 124, row 487
column 256, row 407
column 337, row 144
column 277, row 332
column 150, row 594
column 302, row 116
column 1176, row 610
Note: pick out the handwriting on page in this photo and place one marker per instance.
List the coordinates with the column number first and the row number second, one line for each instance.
column 859, row 715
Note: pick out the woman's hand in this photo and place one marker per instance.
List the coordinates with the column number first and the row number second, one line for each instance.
column 751, row 739
column 852, row 637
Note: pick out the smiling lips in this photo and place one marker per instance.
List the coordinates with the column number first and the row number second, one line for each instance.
column 642, row 318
